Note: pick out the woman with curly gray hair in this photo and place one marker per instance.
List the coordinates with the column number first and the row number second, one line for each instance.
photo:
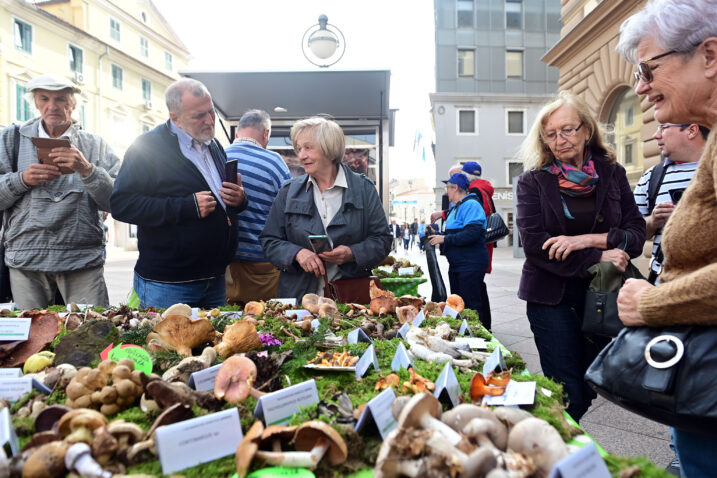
column 674, row 45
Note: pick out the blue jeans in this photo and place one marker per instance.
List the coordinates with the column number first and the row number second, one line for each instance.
column 205, row 293
column 565, row 353
column 696, row 453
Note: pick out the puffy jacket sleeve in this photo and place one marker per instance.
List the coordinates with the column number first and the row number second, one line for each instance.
column 377, row 239
column 631, row 221
column 533, row 233
column 132, row 200
column 277, row 249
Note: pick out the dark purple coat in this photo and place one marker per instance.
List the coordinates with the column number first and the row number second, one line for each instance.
column 540, row 216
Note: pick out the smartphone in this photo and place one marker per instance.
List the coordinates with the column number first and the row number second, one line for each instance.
column 44, row 148
column 676, row 195
column 231, row 171
column 320, row 243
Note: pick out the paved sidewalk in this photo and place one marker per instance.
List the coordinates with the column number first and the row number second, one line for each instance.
column 618, row 431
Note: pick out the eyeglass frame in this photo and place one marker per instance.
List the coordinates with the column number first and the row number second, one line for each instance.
column 644, row 72
column 561, row 132
column 663, row 127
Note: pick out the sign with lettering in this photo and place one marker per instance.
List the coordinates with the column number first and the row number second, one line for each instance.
column 378, row 411
column 12, row 329
column 278, row 407
column 204, row 379
column 584, row 463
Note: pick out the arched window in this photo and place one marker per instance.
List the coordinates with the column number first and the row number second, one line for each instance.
column 626, row 119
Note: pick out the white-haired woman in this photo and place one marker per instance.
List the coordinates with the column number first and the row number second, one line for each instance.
column 674, row 44
column 329, row 199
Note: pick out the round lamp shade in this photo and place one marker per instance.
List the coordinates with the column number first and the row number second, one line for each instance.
column 323, row 44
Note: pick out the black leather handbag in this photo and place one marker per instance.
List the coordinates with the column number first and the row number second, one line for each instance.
column 666, row 374
column 600, row 313
column 495, row 228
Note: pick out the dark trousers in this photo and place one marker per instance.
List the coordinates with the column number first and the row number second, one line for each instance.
column 565, row 353
column 464, row 284
column 484, row 312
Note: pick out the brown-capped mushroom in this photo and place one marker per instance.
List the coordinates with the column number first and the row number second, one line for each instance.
column 239, row 337
column 182, row 333
column 254, row 308
column 125, row 433
column 310, row 302
column 78, row 425
column 432, row 309
column 420, row 412
column 247, row 448
column 455, row 302
column 538, row 440
column 329, row 310
column 49, row 416
column 406, row 313
column 41, row 438
column 382, row 305
column 313, row 440
column 104, row 445
column 46, row 461
column 235, row 378
column 275, row 435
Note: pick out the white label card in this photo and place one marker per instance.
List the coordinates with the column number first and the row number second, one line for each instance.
column 368, row 358
column 403, row 331
column 475, row 343
column 286, row 301
column 419, row 319
column 198, row 440
column 278, row 407
column 299, row 313
column 82, row 307
column 465, row 328
column 516, row 393
column 405, row 271
column 13, row 389
column 204, row 379
column 12, row 329
column 448, row 311
column 358, row 335
column 448, row 382
column 584, row 463
column 401, row 359
column 10, row 372
column 8, row 306
column 195, row 312
column 315, row 324
column 378, row 411
column 7, row 432
column 495, row 362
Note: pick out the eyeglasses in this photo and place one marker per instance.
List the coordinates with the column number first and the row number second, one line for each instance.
column 662, row 127
column 644, row 72
column 565, row 133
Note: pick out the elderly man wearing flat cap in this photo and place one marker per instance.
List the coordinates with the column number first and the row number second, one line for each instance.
column 52, row 228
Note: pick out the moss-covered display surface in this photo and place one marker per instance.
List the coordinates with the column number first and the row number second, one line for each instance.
column 293, row 346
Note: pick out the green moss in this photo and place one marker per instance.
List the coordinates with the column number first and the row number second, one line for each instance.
column 63, row 332
column 24, row 426
column 136, row 335
column 515, row 361
column 137, row 416
column 163, row 360
column 19, row 404
column 647, row 469
column 58, row 397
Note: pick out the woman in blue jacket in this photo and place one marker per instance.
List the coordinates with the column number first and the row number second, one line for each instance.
column 464, row 241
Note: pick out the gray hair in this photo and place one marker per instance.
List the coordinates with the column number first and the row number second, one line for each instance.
column 676, row 25
column 257, row 119
column 174, row 93
column 327, row 133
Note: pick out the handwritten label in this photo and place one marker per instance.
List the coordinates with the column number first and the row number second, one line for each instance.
column 418, row 320
column 516, row 393
column 448, row 311
column 495, row 362
column 401, row 359
column 358, row 335
column 299, row 313
column 368, row 358
column 10, row 372
column 198, row 440
column 465, row 328
column 378, row 411
column 14, row 329
column 286, row 301
column 278, row 407
column 204, row 379
column 13, row 389
column 141, row 358
column 584, row 463
column 448, row 382
column 405, row 271
column 475, row 343
column 7, row 432
column 403, row 331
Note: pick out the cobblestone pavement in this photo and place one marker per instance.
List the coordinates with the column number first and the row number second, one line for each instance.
column 615, row 429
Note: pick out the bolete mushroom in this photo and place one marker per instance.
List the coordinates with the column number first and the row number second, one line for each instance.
column 79, row 458
column 235, row 378
column 247, row 448
column 313, row 440
column 239, row 337
column 47, row 461
column 78, row 425
column 538, row 440
column 420, row 412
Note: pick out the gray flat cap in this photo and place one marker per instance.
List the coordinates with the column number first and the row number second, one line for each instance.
column 52, row 83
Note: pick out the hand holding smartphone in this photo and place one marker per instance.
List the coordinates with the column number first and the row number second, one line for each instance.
column 230, row 169
column 320, row 243
column 44, row 148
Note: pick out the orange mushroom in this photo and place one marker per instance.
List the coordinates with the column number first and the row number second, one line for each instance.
column 455, row 302
column 239, row 337
column 181, row 333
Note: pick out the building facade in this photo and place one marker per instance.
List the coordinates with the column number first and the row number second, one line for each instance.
column 590, row 68
column 123, row 55
column 490, row 84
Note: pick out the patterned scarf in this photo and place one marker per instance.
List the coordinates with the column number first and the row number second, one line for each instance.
column 573, row 181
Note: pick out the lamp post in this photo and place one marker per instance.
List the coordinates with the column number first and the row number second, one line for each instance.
column 323, row 44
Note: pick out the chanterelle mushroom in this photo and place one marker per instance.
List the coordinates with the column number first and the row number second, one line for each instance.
column 313, row 440
column 420, row 412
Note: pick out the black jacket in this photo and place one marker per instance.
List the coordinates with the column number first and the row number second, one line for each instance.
column 155, row 190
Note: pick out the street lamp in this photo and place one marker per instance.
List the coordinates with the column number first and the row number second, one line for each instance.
column 321, row 44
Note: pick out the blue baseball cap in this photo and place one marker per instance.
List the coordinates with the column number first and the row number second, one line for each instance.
column 459, row 179
column 471, row 167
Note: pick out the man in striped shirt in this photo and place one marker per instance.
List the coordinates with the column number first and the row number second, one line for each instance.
column 251, row 276
column 681, row 145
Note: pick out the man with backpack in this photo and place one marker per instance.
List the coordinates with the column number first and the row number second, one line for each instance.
column 660, row 188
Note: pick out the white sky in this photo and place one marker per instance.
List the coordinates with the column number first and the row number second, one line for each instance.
column 265, row 35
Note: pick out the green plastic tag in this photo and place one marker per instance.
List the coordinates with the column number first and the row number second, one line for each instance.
column 281, row 472
column 141, row 358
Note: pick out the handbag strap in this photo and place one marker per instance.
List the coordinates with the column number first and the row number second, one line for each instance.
column 15, row 147
column 659, row 258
